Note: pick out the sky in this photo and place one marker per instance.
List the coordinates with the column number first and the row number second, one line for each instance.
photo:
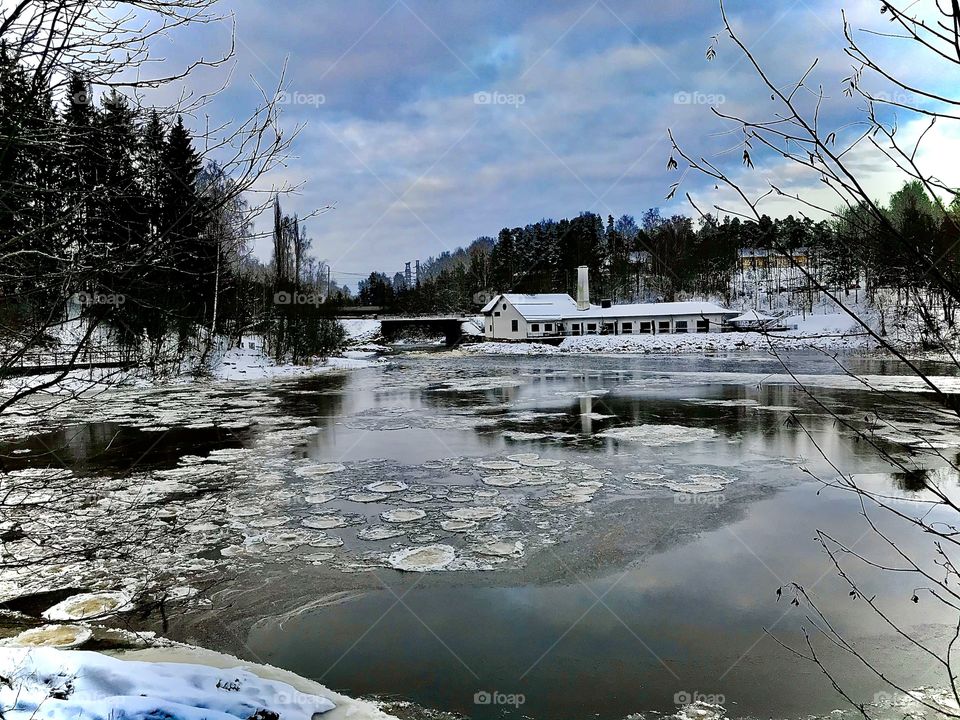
column 425, row 124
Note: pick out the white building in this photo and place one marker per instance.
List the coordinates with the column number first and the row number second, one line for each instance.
column 513, row 316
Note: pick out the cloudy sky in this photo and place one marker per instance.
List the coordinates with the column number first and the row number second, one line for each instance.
column 427, row 123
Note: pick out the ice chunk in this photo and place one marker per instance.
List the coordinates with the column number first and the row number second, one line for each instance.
column 480, row 512
column 60, row 636
column 387, row 486
column 498, row 465
column 422, row 559
column 321, row 469
column 380, row 532
column 458, row 525
column 402, row 515
column 659, row 435
column 88, row 605
column 367, row 497
column 325, row 522
column 500, row 548
column 319, row 498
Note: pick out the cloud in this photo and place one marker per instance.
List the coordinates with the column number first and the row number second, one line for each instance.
column 579, row 99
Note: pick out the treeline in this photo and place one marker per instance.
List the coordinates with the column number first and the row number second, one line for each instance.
column 668, row 258
column 113, row 226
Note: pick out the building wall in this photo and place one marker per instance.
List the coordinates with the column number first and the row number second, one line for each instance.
column 716, row 321
column 501, row 328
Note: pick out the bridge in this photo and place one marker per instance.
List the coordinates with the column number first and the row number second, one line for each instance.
column 45, row 363
column 448, row 325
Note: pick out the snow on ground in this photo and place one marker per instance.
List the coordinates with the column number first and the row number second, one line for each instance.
column 361, row 330
column 252, row 364
column 177, row 683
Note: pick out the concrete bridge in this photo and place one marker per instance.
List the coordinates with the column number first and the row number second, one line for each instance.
column 448, row 325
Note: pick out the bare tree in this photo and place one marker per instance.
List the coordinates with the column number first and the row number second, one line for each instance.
column 796, row 134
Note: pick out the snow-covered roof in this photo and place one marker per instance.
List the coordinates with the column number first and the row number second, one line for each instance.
column 667, row 309
column 560, row 306
column 549, row 306
column 490, row 305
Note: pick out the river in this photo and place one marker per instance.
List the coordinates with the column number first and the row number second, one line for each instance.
column 613, row 530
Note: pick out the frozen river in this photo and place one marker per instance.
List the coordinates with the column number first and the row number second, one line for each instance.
column 605, row 535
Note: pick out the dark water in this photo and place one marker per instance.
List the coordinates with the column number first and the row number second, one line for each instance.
column 701, row 619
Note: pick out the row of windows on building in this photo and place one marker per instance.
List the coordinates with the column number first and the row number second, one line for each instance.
column 644, row 327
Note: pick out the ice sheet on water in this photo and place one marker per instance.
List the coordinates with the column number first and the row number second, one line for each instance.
column 659, row 435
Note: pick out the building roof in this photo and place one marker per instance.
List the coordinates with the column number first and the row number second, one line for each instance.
column 650, row 310
column 542, row 306
column 560, row 306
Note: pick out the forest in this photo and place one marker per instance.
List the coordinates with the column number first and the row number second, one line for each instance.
column 665, row 258
column 117, row 230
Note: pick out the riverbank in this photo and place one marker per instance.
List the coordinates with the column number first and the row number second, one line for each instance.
column 174, row 681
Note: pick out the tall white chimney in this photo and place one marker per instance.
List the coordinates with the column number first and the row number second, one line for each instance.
column 583, row 288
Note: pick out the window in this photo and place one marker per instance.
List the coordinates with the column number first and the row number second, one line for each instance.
column 504, row 306
column 609, row 328
column 491, row 327
column 497, row 314
column 514, row 325
column 703, row 326
column 548, row 327
column 575, row 328
column 646, row 327
column 680, row 326
column 535, row 327
column 591, row 327
column 663, row 326
column 626, row 328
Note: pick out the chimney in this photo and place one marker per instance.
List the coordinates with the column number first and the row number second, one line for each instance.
column 583, row 288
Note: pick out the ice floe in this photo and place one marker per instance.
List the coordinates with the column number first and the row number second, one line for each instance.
column 423, row 559
column 58, row 636
column 659, row 435
column 88, row 605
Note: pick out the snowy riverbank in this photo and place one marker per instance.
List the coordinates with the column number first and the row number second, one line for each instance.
column 177, row 682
